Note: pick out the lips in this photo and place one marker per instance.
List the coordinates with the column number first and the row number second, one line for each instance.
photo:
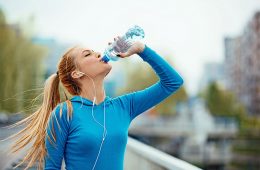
column 102, row 61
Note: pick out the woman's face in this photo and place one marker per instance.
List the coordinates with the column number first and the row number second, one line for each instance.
column 89, row 62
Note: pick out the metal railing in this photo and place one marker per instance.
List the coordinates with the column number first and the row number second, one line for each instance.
column 141, row 156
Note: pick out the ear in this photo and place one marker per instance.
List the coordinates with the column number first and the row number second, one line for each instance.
column 75, row 74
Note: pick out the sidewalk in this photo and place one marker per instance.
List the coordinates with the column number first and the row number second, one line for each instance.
column 6, row 160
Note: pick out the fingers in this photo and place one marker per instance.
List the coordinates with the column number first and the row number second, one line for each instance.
column 123, row 55
column 120, row 55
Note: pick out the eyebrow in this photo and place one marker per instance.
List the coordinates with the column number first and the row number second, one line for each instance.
column 87, row 51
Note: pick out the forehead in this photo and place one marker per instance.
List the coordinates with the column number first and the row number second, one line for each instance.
column 78, row 51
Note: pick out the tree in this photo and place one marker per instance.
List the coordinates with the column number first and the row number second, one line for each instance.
column 21, row 68
column 245, row 146
column 221, row 102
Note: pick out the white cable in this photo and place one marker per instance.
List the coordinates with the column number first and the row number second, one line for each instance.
column 102, row 138
column 105, row 131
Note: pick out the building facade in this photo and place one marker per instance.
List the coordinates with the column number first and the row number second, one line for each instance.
column 242, row 65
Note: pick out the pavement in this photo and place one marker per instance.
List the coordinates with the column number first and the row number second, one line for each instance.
column 6, row 160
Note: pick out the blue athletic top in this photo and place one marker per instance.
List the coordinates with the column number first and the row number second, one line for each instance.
column 80, row 137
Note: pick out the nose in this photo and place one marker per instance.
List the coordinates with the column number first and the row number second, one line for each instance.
column 98, row 54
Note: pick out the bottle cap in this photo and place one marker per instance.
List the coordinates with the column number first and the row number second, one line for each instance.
column 105, row 58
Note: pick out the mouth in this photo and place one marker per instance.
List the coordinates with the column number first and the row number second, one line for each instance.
column 101, row 61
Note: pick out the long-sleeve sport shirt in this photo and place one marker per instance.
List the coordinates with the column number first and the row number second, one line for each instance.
column 78, row 140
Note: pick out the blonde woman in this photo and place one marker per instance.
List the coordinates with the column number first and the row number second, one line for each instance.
column 90, row 129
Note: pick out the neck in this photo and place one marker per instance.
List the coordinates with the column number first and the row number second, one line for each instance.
column 88, row 90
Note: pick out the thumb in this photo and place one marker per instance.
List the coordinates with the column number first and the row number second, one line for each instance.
column 123, row 55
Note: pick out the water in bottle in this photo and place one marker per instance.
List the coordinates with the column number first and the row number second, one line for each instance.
column 123, row 43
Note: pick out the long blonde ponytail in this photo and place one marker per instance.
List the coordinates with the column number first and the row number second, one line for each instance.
column 36, row 124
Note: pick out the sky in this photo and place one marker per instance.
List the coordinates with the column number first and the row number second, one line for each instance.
column 191, row 32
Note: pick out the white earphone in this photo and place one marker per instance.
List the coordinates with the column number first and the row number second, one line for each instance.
column 81, row 73
column 105, row 130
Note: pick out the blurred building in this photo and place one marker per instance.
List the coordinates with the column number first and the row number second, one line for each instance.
column 55, row 52
column 242, row 65
column 213, row 72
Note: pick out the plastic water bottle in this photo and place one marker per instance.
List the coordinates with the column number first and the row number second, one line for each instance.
column 121, row 45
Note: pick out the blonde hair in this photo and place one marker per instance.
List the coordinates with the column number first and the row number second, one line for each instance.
column 36, row 123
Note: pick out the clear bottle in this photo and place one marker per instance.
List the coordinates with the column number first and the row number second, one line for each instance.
column 121, row 45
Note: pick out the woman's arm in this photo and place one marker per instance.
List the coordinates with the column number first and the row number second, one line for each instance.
column 170, row 81
column 55, row 149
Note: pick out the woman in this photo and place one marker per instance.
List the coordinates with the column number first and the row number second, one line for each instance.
column 90, row 129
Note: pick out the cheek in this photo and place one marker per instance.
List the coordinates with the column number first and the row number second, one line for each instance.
column 89, row 65
column 87, row 62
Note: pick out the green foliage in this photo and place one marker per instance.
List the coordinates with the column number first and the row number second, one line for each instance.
column 245, row 146
column 222, row 102
column 21, row 69
column 141, row 76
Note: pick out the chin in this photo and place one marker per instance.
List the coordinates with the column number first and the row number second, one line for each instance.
column 108, row 71
column 109, row 67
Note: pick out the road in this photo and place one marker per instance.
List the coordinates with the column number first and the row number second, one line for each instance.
column 7, row 159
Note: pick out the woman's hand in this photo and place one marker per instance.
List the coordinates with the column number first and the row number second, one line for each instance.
column 137, row 47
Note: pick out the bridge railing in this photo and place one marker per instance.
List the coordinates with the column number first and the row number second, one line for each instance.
column 141, row 156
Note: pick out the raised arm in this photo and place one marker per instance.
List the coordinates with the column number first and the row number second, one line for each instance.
column 55, row 148
column 170, row 81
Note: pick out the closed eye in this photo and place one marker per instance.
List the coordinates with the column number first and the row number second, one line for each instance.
column 89, row 52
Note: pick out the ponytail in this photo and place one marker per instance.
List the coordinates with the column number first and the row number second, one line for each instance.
column 36, row 124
